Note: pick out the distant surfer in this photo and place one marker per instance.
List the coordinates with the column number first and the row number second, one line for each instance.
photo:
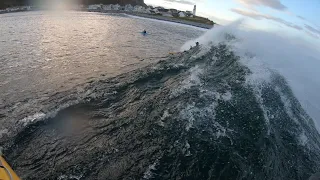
column 197, row 44
column 144, row 32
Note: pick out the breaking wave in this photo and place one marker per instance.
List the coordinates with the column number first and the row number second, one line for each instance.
column 265, row 52
column 215, row 111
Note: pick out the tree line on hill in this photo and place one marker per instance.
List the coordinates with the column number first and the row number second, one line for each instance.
column 13, row 3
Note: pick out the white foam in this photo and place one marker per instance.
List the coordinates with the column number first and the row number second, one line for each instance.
column 62, row 177
column 190, row 114
column 39, row 116
column 257, row 87
column 192, row 80
column 186, row 149
column 287, row 105
column 221, row 131
column 187, row 114
column 214, row 36
column 148, row 173
column 194, row 77
column 165, row 115
column 294, row 58
column 226, row 96
column 223, row 96
column 33, row 118
column 3, row 132
column 303, row 139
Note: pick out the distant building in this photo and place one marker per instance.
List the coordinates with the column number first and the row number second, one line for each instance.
column 115, row 7
column 182, row 14
column 94, row 7
column 107, row 7
column 194, row 10
column 12, row 9
column 189, row 14
column 139, row 9
column 128, row 7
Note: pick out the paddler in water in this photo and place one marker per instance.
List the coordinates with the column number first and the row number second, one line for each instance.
column 144, row 32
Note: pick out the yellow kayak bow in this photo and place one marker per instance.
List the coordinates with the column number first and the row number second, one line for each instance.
column 6, row 172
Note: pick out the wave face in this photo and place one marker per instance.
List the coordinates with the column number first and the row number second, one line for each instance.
column 293, row 58
column 200, row 114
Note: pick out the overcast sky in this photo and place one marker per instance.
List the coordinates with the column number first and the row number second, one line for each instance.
column 292, row 17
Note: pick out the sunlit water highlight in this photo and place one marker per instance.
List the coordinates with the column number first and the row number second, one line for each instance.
column 45, row 52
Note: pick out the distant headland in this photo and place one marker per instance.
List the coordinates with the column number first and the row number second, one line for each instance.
column 15, row 3
column 131, row 7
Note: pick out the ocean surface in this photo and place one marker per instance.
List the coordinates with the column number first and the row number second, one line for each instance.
column 87, row 96
column 42, row 53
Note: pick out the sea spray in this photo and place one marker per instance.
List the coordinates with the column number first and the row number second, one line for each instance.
column 265, row 52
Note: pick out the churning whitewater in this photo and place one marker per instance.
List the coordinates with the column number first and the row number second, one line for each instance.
column 226, row 109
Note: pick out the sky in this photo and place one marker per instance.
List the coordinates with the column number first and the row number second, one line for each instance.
column 296, row 18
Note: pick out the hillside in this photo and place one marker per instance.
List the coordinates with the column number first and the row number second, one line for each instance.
column 11, row 3
column 121, row 2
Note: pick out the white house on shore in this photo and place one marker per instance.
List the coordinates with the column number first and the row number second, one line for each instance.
column 182, row 14
column 110, row 7
column 12, row 9
column 107, row 7
column 115, row 7
column 139, row 9
column 128, row 7
column 95, row 7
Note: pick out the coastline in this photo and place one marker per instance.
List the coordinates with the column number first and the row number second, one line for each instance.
column 7, row 12
column 161, row 18
column 174, row 20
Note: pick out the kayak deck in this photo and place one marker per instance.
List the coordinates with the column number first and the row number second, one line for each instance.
column 5, row 170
